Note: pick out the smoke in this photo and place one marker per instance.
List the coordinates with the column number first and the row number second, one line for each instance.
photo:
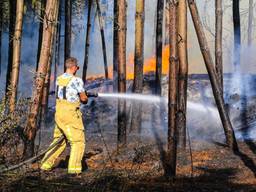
column 154, row 116
column 95, row 65
column 28, row 55
column 203, row 119
column 240, row 94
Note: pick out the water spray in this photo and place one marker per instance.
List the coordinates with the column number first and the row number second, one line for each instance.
column 133, row 96
column 158, row 99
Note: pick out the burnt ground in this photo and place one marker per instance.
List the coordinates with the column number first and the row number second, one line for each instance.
column 210, row 166
column 214, row 169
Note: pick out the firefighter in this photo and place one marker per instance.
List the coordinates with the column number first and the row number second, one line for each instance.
column 68, row 118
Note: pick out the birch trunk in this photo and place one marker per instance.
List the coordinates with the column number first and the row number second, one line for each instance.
column 16, row 54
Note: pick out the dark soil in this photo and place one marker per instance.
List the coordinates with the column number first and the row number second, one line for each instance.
column 140, row 169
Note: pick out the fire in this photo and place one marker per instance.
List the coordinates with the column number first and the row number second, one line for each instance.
column 149, row 65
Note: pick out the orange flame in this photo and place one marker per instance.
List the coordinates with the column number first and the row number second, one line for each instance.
column 149, row 65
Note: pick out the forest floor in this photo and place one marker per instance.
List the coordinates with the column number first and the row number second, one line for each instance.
column 214, row 168
column 208, row 166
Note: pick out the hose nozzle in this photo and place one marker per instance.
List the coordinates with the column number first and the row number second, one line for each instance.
column 91, row 94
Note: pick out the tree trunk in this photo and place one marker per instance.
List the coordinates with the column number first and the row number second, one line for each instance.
column 120, row 59
column 16, row 54
column 138, row 64
column 170, row 169
column 57, row 47
column 139, row 47
column 237, row 34
column 115, row 46
column 166, row 23
column 1, row 29
column 159, row 46
column 68, row 15
column 12, row 16
column 47, row 81
column 87, row 40
column 102, row 39
column 30, row 129
column 250, row 23
column 218, row 43
column 228, row 129
column 183, row 72
column 42, row 10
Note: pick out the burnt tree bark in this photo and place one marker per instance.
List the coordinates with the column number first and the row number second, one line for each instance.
column 138, row 63
column 12, row 16
column 183, row 72
column 16, row 54
column 237, row 34
column 30, row 128
column 68, row 20
column 87, row 41
column 104, row 50
column 218, row 43
column 170, row 169
column 42, row 11
column 120, row 60
column 228, row 129
column 159, row 46
column 250, row 23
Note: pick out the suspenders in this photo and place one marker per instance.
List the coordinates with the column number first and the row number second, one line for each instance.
column 57, row 91
column 64, row 91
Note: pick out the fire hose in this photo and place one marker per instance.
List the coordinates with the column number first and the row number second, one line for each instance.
column 32, row 159
column 40, row 154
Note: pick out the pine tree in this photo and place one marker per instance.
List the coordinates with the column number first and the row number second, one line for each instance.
column 48, row 27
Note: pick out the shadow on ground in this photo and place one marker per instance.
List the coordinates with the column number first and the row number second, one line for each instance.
column 211, row 180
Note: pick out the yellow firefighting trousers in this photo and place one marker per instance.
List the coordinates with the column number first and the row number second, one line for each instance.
column 69, row 123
